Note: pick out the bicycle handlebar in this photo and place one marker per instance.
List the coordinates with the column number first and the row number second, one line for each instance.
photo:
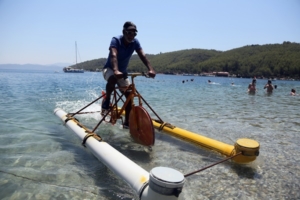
column 137, row 74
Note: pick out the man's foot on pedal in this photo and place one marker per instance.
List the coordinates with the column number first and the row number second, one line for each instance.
column 126, row 125
column 104, row 112
column 105, row 106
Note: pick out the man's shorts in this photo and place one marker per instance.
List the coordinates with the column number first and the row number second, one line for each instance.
column 108, row 72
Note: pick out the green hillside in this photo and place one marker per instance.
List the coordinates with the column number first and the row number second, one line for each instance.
column 271, row 60
column 279, row 60
column 91, row 65
column 184, row 61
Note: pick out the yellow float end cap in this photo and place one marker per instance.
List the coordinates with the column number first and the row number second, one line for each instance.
column 248, row 143
column 248, row 147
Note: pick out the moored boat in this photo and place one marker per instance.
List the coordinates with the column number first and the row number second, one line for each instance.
column 72, row 70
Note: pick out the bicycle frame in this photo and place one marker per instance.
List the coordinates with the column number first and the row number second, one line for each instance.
column 116, row 112
column 140, row 122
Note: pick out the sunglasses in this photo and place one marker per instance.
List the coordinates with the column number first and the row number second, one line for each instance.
column 131, row 33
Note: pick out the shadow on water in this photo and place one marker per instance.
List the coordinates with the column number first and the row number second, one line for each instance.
column 245, row 171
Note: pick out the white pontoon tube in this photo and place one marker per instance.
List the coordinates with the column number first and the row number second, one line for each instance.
column 161, row 183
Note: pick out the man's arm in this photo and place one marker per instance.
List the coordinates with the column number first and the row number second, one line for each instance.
column 114, row 62
column 146, row 62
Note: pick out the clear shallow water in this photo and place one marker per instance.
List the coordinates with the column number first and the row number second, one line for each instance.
column 42, row 159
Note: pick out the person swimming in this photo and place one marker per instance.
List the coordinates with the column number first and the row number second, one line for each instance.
column 293, row 92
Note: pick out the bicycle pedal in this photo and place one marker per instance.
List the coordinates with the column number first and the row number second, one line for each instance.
column 125, row 127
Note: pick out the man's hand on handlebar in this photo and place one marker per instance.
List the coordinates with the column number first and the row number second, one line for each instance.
column 119, row 75
column 151, row 73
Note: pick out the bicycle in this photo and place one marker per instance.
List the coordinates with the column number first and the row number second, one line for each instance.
column 140, row 123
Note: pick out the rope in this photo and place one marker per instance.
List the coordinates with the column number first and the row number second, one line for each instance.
column 87, row 105
column 85, row 112
column 149, row 106
column 248, row 152
column 167, row 125
column 71, row 118
column 90, row 134
column 86, row 189
column 209, row 166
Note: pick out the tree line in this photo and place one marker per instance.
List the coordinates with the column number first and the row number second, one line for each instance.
column 270, row 60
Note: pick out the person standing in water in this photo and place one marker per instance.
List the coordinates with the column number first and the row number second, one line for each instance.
column 252, row 86
column 269, row 87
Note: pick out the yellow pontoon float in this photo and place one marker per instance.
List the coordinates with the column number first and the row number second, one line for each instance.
column 248, row 148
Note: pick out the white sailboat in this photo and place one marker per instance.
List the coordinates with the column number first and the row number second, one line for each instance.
column 73, row 70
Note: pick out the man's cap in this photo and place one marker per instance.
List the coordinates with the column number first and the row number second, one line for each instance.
column 130, row 26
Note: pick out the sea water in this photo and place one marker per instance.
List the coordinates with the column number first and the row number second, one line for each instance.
column 40, row 158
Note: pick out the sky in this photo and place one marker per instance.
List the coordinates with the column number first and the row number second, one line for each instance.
column 45, row 31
